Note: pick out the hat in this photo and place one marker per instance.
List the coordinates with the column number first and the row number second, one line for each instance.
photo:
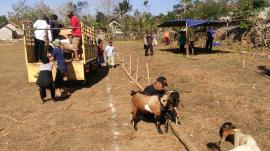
column 56, row 43
column 162, row 80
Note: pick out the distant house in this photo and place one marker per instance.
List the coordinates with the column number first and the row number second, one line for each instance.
column 10, row 31
column 115, row 27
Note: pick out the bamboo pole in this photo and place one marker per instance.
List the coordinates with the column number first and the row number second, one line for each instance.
column 130, row 64
column 137, row 70
column 188, row 145
column 187, row 41
column 148, row 76
column 244, row 63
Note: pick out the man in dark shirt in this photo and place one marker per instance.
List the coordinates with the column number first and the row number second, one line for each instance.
column 149, row 45
column 157, row 88
column 209, row 39
column 55, row 24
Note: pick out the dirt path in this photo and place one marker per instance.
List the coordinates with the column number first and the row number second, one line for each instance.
column 214, row 89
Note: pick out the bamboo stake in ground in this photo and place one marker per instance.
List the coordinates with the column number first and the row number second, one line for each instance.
column 148, row 76
column 137, row 70
column 244, row 63
column 130, row 64
column 130, row 77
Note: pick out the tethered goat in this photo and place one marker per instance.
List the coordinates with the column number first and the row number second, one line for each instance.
column 241, row 142
column 142, row 103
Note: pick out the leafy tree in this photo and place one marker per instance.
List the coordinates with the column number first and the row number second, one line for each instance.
column 3, row 20
column 123, row 8
column 101, row 21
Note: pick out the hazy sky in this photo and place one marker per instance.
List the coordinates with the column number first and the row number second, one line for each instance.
column 156, row 6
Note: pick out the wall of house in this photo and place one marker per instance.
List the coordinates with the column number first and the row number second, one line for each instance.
column 5, row 34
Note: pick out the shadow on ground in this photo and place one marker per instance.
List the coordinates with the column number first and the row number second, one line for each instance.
column 197, row 51
column 91, row 79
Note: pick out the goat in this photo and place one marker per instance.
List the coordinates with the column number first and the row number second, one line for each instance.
column 241, row 141
column 142, row 103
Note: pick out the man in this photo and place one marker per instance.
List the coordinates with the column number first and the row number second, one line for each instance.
column 42, row 36
column 157, row 88
column 149, row 45
column 209, row 39
column 45, row 79
column 58, row 55
column 182, row 41
column 110, row 54
column 55, row 24
column 76, row 34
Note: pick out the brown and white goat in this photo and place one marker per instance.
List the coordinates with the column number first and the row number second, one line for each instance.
column 241, row 141
column 142, row 103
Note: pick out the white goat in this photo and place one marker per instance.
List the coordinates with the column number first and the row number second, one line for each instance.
column 241, row 142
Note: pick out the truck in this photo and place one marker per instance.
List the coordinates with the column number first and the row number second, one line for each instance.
column 77, row 70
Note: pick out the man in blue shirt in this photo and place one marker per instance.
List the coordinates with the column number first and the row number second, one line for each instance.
column 209, row 39
column 58, row 55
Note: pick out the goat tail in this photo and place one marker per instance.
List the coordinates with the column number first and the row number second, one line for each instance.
column 132, row 92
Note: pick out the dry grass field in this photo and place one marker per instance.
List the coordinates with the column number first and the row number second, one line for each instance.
column 214, row 89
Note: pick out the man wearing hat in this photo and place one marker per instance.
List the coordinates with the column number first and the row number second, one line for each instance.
column 157, row 88
column 76, row 34
column 58, row 55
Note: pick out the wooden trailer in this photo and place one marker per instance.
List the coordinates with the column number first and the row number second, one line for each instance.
column 77, row 70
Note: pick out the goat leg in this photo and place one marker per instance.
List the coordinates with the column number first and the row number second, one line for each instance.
column 167, row 126
column 158, row 125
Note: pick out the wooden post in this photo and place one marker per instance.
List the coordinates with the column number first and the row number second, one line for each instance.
column 244, row 63
column 226, row 33
column 137, row 70
column 148, row 76
column 130, row 64
column 187, row 41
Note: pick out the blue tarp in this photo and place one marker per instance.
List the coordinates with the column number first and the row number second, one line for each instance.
column 190, row 23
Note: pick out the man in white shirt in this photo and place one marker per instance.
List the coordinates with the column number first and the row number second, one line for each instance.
column 41, row 36
column 109, row 50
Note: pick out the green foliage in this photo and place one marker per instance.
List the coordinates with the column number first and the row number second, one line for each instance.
column 123, row 8
column 101, row 21
column 209, row 9
column 3, row 20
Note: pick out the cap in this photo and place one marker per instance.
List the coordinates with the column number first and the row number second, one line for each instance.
column 56, row 43
column 162, row 80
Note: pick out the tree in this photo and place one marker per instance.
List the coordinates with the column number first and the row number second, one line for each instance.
column 186, row 4
column 123, row 8
column 146, row 5
column 21, row 11
column 101, row 21
column 18, row 10
column 3, row 20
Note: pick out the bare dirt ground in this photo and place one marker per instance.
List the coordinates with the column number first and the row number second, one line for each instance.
column 214, row 89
